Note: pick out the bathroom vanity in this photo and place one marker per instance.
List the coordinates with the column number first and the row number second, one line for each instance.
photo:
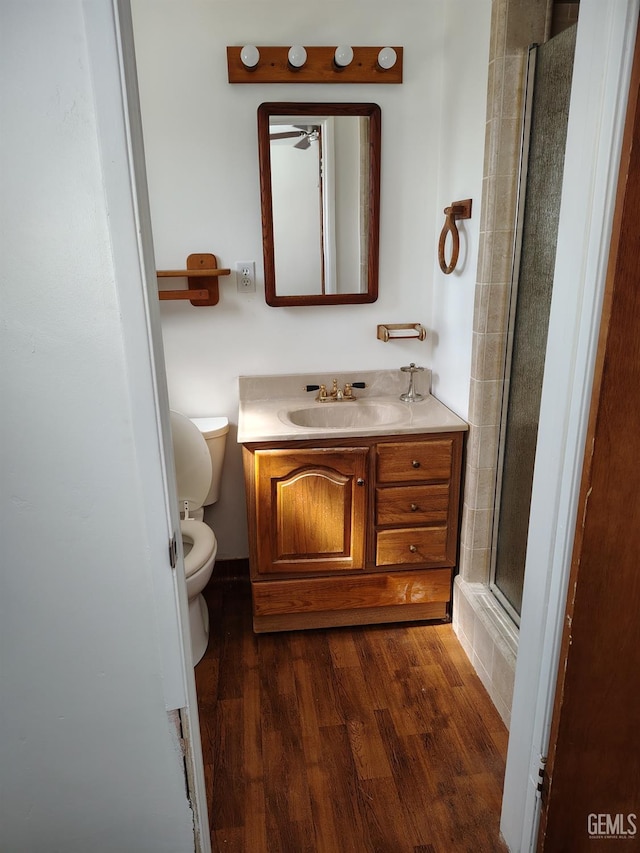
column 352, row 506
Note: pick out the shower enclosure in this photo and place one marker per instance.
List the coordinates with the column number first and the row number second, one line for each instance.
column 548, row 91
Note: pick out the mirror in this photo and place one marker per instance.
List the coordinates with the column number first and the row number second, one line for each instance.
column 320, row 193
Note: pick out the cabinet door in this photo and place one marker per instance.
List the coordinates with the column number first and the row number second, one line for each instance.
column 310, row 509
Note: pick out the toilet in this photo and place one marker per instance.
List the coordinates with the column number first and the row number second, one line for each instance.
column 198, row 450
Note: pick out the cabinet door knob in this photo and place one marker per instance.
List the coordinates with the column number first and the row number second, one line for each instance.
column 415, row 463
column 360, row 481
column 414, row 507
column 413, row 549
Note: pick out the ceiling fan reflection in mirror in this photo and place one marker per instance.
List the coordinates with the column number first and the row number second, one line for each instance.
column 305, row 134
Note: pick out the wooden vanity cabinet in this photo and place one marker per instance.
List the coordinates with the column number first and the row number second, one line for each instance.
column 353, row 531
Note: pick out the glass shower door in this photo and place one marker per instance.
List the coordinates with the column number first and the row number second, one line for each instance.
column 547, row 112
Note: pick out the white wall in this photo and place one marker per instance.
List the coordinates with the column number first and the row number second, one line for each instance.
column 201, row 147
column 89, row 760
column 463, row 105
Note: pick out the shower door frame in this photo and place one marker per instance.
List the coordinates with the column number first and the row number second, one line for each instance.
column 530, row 71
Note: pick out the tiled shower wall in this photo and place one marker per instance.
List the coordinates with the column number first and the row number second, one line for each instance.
column 564, row 16
column 488, row 636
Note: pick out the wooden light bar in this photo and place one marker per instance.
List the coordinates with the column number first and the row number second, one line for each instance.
column 320, row 67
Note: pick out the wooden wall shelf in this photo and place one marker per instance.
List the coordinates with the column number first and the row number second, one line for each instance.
column 202, row 274
column 274, row 67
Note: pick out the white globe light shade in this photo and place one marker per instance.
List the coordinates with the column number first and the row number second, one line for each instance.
column 297, row 55
column 250, row 56
column 387, row 58
column 343, row 55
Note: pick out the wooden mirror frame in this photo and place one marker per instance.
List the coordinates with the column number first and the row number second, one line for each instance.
column 372, row 111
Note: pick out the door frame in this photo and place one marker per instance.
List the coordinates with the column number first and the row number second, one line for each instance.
column 589, row 765
column 602, row 71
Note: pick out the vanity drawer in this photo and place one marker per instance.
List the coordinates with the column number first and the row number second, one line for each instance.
column 414, row 460
column 412, row 504
column 406, row 546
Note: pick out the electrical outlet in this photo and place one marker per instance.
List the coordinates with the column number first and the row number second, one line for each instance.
column 246, row 276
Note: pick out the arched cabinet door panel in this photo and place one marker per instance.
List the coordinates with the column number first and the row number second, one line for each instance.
column 311, row 510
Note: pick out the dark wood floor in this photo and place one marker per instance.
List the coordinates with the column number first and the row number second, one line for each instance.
column 345, row 740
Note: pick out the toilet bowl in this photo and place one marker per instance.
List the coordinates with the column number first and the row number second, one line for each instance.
column 198, row 449
column 199, row 546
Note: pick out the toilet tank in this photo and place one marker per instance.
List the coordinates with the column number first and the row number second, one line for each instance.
column 215, row 432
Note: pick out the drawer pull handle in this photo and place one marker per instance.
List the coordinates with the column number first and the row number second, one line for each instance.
column 413, row 549
column 415, row 463
column 360, row 481
column 414, row 507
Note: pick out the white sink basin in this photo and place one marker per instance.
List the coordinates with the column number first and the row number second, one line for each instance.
column 347, row 415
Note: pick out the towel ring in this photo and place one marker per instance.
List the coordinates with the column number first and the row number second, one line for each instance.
column 457, row 210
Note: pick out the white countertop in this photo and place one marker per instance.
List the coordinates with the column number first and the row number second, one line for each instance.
column 266, row 401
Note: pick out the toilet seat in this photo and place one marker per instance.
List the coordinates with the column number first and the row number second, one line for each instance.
column 195, row 453
column 203, row 545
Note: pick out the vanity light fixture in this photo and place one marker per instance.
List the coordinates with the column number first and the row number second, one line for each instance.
column 311, row 64
column 387, row 58
column 343, row 55
column 297, row 56
column 250, row 56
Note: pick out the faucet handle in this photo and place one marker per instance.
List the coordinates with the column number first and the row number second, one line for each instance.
column 310, row 387
column 358, row 384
